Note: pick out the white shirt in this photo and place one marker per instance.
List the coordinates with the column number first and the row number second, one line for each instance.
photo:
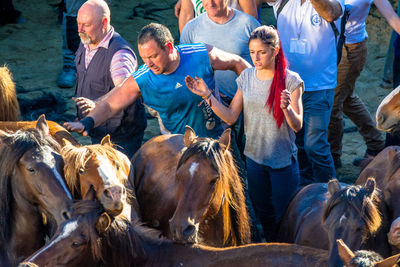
column 316, row 63
column 355, row 26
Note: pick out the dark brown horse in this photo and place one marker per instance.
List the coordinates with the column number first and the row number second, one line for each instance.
column 92, row 238
column 56, row 130
column 34, row 198
column 104, row 168
column 385, row 168
column 321, row 213
column 189, row 188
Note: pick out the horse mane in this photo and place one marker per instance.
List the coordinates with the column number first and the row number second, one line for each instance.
column 77, row 157
column 12, row 148
column 235, row 218
column 365, row 258
column 122, row 243
column 355, row 196
column 9, row 108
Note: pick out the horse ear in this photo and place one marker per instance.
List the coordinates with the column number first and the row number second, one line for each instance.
column 90, row 194
column 190, row 136
column 333, row 186
column 3, row 133
column 369, row 186
column 345, row 252
column 41, row 124
column 225, row 138
column 103, row 222
column 106, row 140
column 389, row 262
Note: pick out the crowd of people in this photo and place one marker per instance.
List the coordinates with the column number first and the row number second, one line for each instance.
column 282, row 90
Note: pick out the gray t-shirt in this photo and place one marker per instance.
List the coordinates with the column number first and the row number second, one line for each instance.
column 232, row 36
column 265, row 143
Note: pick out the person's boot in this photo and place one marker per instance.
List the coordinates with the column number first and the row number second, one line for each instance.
column 369, row 154
column 67, row 78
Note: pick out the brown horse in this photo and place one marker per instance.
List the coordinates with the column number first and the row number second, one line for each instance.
column 364, row 258
column 92, row 238
column 56, row 130
column 385, row 168
column 189, row 188
column 34, row 198
column 387, row 114
column 321, row 213
column 9, row 108
column 101, row 166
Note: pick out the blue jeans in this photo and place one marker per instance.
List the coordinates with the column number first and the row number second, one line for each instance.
column 270, row 191
column 315, row 159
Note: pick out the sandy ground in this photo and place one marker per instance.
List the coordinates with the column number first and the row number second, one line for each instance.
column 33, row 53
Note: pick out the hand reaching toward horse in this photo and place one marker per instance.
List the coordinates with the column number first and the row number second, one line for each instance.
column 75, row 126
column 197, row 86
column 84, row 104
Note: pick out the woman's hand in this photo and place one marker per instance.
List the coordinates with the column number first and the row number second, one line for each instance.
column 197, row 86
column 285, row 99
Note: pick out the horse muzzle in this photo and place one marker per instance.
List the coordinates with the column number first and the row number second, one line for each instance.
column 187, row 232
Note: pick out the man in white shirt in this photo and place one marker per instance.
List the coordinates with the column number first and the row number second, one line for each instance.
column 309, row 43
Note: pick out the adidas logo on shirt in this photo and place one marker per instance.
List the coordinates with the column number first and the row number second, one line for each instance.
column 178, row 85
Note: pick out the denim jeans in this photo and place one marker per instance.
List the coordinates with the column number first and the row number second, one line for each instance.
column 314, row 155
column 270, row 191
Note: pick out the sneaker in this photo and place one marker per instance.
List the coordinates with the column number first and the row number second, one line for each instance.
column 67, row 77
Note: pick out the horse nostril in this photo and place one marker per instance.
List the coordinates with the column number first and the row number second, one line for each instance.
column 189, row 230
column 380, row 119
column 107, row 193
column 66, row 215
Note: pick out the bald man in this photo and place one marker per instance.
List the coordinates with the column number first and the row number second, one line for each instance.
column 103, row 61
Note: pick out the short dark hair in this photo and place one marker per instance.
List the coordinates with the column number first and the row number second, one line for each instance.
column 157, row 32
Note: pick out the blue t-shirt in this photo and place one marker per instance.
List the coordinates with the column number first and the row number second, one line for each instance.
column 174, row 102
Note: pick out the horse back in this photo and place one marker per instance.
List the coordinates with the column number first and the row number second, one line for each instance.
column 154, row 166
column 302, row 221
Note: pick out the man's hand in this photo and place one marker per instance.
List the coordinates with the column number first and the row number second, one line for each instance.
column 177, row 8
column 75, row 126
column 84, row 104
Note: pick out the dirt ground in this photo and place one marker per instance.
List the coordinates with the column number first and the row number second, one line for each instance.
column 33, row 53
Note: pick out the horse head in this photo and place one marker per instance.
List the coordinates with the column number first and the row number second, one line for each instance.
column 364, row 258
column 100, row 166
column 387, row 114
column 208, row 184
column 33, row 193
column 351, row 214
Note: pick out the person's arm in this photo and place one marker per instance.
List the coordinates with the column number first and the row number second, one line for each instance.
column 329, row 10
column 186, row 14
column 114, row 101
column 387, row 11
column 177, row 8
column 221, row 60
column 249, row 7
column 292, row 107
column 227, row 114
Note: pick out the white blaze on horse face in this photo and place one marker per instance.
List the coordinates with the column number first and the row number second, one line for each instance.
column 107, row 173
column 49, row 160
column 66, row 231
column 193, row 168
column 343, row 218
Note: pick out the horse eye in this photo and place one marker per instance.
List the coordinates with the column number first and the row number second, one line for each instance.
column 117, row 166
column 213, row 181
column 76, row 244
column 81, row 170
column 31, row 170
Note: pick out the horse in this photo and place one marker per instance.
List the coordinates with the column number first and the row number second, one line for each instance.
column 385, row 168
column 34, row 198
column 364, row 258
column 9, row 108
column 104, row 168
column 387, row 114
column 92, row 238
column 56, row 130
column 321, row 213
column 189, row 188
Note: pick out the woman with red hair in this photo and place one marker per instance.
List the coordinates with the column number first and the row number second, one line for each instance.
column 270, row 96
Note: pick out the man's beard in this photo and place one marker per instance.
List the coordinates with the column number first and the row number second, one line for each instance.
column 85, row 39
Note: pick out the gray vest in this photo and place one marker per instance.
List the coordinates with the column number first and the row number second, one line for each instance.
column 96, row 81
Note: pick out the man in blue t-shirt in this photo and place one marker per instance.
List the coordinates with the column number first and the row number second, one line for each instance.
column 161, row 82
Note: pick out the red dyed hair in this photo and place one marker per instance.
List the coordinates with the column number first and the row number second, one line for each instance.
column 270, row 37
